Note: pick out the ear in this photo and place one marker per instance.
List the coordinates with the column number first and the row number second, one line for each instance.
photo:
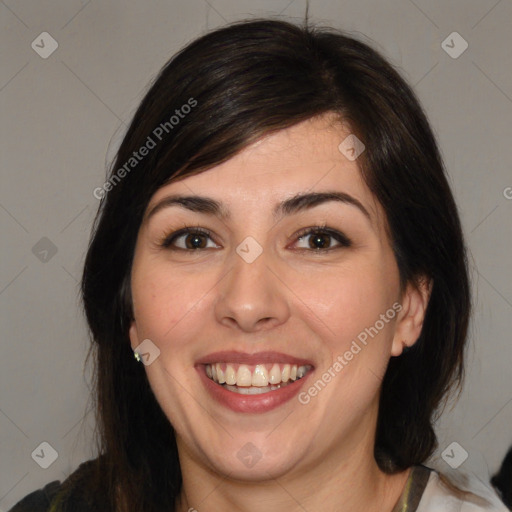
column 410, row 318
column 134, row 335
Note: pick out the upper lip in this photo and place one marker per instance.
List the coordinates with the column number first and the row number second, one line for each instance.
column 232, row 356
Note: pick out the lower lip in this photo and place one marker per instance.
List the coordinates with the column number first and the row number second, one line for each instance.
column 251, row 403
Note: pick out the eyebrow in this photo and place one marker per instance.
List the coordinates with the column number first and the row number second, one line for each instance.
column 294, row 204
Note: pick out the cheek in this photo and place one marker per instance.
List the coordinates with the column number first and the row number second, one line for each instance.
column 164, row 302
column 347, row 317
column 349, row 300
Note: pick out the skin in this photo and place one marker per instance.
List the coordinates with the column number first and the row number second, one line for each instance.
column 294, row 298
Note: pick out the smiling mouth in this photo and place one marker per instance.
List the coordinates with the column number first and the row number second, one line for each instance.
column 255, row 379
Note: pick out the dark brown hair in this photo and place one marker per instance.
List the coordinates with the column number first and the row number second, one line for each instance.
column 249, row 79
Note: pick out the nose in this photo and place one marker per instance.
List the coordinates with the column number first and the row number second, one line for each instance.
column 252, row 297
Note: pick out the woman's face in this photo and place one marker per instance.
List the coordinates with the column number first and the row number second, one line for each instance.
column 266, row 301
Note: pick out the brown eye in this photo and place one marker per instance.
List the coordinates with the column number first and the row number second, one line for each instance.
column 319, row 238
column 193, row 238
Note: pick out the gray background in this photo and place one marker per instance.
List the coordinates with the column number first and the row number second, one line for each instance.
column 63, row 116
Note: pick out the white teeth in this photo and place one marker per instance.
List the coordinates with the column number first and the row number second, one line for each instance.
column 252, row 390
column 220, row 374
column 243, row 376
column 258, row 376
column 230, row 375
column 301, row 371
column 285, row 374
column 274, row 376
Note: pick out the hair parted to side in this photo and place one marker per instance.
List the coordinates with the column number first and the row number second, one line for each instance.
column 249, row 79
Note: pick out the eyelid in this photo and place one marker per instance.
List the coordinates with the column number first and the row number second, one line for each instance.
column 340, row 237
column 166, row 240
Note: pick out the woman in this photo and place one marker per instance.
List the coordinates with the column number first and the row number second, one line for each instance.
column 276, row 287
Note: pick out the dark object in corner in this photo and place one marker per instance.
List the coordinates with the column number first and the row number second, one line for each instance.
column 502, row 481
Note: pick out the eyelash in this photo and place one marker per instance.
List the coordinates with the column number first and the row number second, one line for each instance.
column 342, row 239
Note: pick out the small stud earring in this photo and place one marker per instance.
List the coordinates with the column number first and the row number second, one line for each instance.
column 136, row 355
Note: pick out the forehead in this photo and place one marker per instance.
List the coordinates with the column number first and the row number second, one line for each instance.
column 303, row 158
